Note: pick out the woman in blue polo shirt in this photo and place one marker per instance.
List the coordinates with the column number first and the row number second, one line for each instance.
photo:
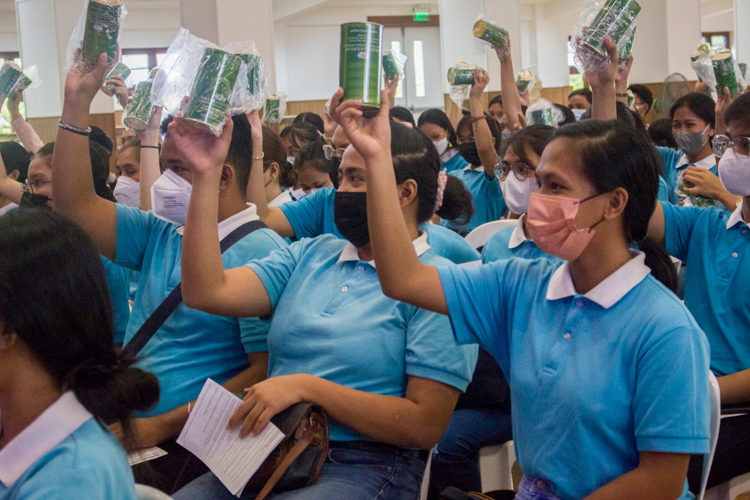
column 594, row 396
column 437, row 126
column 60, row 377
column 388, row 374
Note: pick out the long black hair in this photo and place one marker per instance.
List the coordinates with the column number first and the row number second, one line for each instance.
column 50, row 266
column 534, row 137
column 415, row 157
column 99, row 158
column 439, row 118
column 600, row 147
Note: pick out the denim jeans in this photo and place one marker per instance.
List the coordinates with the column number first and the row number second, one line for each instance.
column 535, row 489
column 349, row 473
column 456, row 462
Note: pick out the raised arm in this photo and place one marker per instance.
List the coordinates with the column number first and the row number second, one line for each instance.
column 150, row 170
column 621, row 80
column 391, row 86
column 10, row 189
column 602, row 82
column 205, row 284
column 482, row 135
column 402, row 276
column 25, row 132
column 72, row 183
column 511, row 97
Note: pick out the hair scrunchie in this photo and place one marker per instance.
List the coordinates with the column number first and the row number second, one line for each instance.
column 442, row 182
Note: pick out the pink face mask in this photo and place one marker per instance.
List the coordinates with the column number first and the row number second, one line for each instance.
column 552, row 226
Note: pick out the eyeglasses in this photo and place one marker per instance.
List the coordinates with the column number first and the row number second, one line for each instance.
column 741, row 145
column 35, row 185
column 520, row 170
column 331, row 152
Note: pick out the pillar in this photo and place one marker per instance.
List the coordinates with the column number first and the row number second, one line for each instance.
column 741, row 21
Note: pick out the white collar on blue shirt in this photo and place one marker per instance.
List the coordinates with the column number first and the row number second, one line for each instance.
column 707, row 163
column 480, row 168
column 519, row 235
column 736, row 218
column 350, row 252
column 49, row 429
column 230, row 224
column 608, row 292
column 7, row 208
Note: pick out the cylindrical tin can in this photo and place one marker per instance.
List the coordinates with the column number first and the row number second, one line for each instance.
column 102, row 29
column 543, row 117
column 743, row 70
column 625, row 47
column 461, row 76
column 491, row 33
column 10, row 75
column 254, row 64
column 212, row 89
column 389, row 65
column 613, row 20
column 361, row 63
column 119, row 70
column 723, row 63
column 139, row 111
column 523, row 81
column 272, row 110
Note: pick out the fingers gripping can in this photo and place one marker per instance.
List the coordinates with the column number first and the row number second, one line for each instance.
column 491, row 33
column 523, row 81
column 723, row 63
column 272, row 110
column 119, row 70
column 212, row 89
column 613, row 20
column 461, row 76
column 139, row 111
column 361, row 63
column 102, row 29
column 10, row 76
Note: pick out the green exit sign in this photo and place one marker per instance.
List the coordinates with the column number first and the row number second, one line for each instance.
column 421, row 16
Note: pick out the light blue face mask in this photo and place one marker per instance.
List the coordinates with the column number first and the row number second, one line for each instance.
column 578, row 113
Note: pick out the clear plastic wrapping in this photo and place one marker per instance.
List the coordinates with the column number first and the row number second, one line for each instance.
column 600, row 19
column 394, row 63
column 274, row 109
column 488, row 33
column 215, row 80
column 13, row 78
column 525, row 81
column 461, row 78
column 701, row 64
column 543, row 112
column 98, row 30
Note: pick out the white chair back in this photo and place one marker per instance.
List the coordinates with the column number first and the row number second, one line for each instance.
column 481, row 235
column 708, row 458
column 423, row 492
column 148, row 493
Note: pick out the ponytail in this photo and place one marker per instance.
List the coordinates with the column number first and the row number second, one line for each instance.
column 457, row 202
column 662, row 267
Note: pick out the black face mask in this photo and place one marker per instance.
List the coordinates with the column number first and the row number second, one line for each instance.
column 31, row 200
column 469, row 151
column 350, row 216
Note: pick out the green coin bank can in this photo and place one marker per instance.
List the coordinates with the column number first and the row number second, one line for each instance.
column 119, row 70
column 212, row 89
column 491, row 33
column 139, row 111
column 102, row 29
column 613, row 20
column 723, row 63
column 543, row 117
column 361, row 63
column 10, row 76
column 461, row 76
column 254, row 65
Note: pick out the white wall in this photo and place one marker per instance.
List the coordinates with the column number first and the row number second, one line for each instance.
column 8, row 34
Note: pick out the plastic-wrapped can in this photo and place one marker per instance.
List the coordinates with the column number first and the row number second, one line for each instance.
column 119, row 70
column 723, row 63
column 524, row 79
column 361, row 64
column 271, row 109
column 102, row 29
column 139, row 111
column 461, row 76
column 626, row 47
column 10, row 75
column 212, row 89
column 491, row 33
column 613, row 20
column 389, row 65
column 253, row 63
column 743, row 70
column 544, row 117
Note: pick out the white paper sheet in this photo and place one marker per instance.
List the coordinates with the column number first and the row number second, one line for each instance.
column 233, row 460
column 145, row 455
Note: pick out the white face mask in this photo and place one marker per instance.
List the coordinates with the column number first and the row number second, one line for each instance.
column 441, row 146
column 734, row 172
column 517, row 193
column 578, row 113
column 127, row 192
column 290, row 159
column 170, row 197
column 298, row 193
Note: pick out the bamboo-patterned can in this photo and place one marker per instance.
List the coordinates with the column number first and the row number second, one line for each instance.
column 723, row 63
column 272, row 110
column 212, row 89
column 102, row 29
column 491, row 33
column 612, row 20
column 24, row 83
column 254, row 64
column 139, row 111
column 523, row 81
column 625, row 47
column 10, row 75
column 743, row 70
column 361, row 63
column 389, row 65
column 543, row 117
column 461, row 76
column 119, row 70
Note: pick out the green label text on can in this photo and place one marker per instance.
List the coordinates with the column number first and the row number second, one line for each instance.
column 10, row 75
column 272, row 110
column 491, row 33
column 139, row 111
column 461, row 76
column 724, row 70
column 119, row 70
column 613, row 20
column 102, row 29
column 543, row 117
column 212, row 88
column 361, row 63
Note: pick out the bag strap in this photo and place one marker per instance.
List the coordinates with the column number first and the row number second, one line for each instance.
column 174, row 299
column 285, row 463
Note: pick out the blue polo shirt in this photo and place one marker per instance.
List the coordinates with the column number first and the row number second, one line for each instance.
column 714, row 246
column 118, row 279
column 487, row 198
column 332, row 320
column 671, row 158
column 312, row 216
column 589, row 390
column 191, row 346
column 663, row 194
column 457, row 162
column 511, row 242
